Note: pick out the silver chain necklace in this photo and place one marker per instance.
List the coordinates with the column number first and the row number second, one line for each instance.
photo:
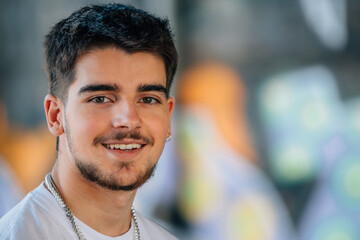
column 54, row 191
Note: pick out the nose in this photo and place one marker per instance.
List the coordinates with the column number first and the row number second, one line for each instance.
column 126, row 115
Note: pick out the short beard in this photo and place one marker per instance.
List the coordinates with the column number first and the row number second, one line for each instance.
column 91, row 173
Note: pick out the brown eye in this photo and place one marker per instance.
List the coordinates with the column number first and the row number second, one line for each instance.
column 100, row 99
column 149, row 100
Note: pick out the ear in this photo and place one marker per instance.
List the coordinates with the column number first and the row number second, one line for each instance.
column 171, row 105
column 54, row 110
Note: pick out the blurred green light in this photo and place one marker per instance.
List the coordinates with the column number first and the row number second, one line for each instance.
column 294, row 164
column 315, row 115
column 278, row 97
column 345, row 181
column 352, row 181
column 336, row 228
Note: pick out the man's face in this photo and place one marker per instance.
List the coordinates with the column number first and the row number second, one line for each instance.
column 117, row 117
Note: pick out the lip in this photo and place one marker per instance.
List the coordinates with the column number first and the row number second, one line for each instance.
column 125, row 141
column 124, row 155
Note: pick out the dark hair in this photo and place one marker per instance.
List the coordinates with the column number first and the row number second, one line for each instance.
column 108, row 25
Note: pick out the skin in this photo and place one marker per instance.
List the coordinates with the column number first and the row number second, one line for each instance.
column 132, row 100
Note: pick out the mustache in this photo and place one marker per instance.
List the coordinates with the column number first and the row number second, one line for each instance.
column 121, row 135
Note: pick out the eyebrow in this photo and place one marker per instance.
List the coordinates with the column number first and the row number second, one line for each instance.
column 99, row 87
column 116, row 88
column 152, row 87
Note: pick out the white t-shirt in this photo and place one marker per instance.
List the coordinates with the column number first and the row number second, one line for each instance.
column 39, row 216
column 10, row 193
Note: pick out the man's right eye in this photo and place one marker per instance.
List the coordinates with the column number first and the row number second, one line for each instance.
column 100, row 99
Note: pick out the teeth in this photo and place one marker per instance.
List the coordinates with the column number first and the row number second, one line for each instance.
column 124, row 146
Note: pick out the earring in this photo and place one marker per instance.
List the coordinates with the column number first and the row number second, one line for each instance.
column 168, row 138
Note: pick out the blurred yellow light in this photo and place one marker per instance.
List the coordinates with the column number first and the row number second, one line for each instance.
column 251, row 217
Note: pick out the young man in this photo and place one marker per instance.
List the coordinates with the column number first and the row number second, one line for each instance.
column 110, row 69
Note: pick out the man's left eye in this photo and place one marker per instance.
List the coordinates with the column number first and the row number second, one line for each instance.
column 149, row 100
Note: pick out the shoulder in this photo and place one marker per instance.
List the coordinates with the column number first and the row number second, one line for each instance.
column 151, row 230
column 32, row 218
column 16, row 222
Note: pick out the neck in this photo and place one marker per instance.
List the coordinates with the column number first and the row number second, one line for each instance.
column 106, row 211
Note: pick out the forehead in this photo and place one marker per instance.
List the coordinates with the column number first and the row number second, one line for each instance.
column 114, row 66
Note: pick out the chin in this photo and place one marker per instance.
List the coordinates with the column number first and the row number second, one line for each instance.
column 110, row 181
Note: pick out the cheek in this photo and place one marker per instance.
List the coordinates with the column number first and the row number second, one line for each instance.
column 85, row 125
column 158, row 123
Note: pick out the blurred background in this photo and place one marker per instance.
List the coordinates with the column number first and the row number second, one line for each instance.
column 266, row 132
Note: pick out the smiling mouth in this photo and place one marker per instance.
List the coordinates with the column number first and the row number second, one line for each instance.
column 123, row 147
